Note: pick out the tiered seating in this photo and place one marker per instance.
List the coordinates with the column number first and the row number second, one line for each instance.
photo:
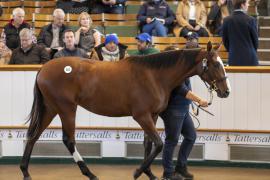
column 126, row 25
column 162, row 42
column 122, row 24
column 43, row 7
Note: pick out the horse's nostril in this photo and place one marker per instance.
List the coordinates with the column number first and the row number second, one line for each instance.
column 227, row 93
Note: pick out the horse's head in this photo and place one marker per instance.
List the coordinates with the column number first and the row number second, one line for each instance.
column 211, row 70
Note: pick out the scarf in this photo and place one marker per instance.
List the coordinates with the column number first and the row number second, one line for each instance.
column 110, row 55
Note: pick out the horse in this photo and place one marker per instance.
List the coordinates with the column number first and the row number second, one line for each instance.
column 137, row 86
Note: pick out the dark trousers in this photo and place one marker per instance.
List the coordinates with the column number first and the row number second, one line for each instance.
column 177, row 121
column 100, row 8
column 201, row 32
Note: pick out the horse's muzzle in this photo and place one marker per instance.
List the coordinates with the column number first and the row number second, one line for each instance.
column 224, row 94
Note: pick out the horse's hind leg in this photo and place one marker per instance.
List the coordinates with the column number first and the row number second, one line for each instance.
column 68, row 123
column 148, row 143
column 46, row 120
column 148, row 125
column 147, row 150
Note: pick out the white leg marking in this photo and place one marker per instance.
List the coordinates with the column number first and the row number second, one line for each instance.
column 76, row 156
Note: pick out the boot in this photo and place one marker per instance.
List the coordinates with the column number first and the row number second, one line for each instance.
column 173, row 177
column 183, row 171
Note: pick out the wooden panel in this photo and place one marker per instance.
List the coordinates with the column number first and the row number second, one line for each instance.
column 29, row 90
column 254, row 98
column 11, row 4
column 5, row 96
column 82, row 117
column 240, row 101
column 40, row 4
column 18, row 98
column 228, row 107
column 265, row 99
column 120, row 17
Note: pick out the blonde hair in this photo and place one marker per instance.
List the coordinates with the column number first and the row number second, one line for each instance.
column 87, row 15
column 25, row 32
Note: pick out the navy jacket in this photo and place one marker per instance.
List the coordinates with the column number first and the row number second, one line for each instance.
column 177, row 99
column 240, row 37
column 161, row 10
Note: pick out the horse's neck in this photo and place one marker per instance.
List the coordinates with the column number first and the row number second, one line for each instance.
column 175, row 76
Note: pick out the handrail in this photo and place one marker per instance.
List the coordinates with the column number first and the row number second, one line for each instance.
column 233, row 69
column 139, row 129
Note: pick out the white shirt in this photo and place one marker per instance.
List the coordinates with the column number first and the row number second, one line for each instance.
column 192, row 10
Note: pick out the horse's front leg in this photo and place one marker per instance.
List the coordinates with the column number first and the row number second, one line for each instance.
column 147, row 123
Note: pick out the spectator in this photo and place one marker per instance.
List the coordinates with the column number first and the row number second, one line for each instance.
column 1, row 10
column 70, row 49
column 218, row 12
column 5, row 53
column 156, row 17
column 28, row 53
column 87, row 37
column 73, row 6
column 144, row 45
column 108, row 6
column 192, row 40
column 110, row 50
column 177, row 120
column 10, row 33
column 240, row 36
column 50, row 36
column 191, row 16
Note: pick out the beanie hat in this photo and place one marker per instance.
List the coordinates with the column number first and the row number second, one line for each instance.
column 111, row 38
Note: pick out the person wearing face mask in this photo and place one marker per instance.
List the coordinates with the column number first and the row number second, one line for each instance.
column 110, row 50
column 191, row 16
column 155, row 18
column 240, row 36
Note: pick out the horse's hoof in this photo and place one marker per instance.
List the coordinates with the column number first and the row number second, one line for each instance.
column 153, row 178
column 137, row 173
column 94, row 178
column 27, row 178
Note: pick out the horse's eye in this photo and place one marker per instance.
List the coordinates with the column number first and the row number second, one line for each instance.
column 217, row 65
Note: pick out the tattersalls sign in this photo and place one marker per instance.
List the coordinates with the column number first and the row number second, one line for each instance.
column 136, row 135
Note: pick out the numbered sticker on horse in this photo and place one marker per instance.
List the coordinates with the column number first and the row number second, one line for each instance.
column 68, row 69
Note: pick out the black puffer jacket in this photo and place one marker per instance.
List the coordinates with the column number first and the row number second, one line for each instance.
column 12, row 34
column 45, row 36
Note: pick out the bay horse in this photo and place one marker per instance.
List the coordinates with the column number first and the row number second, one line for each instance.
column 137, row 86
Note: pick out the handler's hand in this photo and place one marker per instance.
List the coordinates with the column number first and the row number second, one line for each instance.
column 203, row 103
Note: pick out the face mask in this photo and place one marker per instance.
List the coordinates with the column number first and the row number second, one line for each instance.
column 156, row 1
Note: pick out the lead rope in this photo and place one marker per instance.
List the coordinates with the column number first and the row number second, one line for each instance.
column 195, row 112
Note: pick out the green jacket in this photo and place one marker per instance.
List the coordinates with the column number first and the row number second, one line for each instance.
column 147, row 51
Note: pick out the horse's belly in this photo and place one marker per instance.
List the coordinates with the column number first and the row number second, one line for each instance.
column 106, row 108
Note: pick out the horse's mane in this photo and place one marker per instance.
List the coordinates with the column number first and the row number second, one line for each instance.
column 166, row 59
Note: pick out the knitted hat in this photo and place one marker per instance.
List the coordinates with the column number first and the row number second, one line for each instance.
column 111, row 38
column 145, row 37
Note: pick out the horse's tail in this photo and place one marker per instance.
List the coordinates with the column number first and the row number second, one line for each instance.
column 36, row 114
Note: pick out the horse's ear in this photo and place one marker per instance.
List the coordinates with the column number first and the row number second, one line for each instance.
column 209, row 46
column 217, row 47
